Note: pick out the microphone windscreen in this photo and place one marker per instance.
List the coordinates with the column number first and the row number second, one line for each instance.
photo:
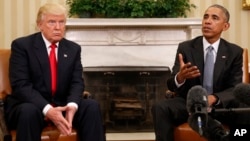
column 196, row 95
column 242, row 93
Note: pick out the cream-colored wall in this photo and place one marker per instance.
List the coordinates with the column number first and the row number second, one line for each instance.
column 239, row 31
column 18, row 19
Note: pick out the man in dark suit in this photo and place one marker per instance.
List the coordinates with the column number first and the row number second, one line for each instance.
column 34, row 101
column 188, row 71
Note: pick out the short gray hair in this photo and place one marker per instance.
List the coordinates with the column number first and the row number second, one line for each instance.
column 224, row 10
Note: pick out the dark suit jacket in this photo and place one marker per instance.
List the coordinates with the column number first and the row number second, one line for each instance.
column 227, row 70
column 30, row 72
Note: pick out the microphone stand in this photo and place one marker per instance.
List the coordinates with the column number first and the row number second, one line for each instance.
column 199, row 122
column 235, row 110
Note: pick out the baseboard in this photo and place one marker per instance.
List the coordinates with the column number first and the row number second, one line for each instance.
column 142, row 136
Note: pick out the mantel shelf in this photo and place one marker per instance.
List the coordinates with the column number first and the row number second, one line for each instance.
column 92, row 22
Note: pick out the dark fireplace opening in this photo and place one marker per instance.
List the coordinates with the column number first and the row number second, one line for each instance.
column 126, row 95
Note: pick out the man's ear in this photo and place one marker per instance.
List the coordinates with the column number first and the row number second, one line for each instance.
column 226, row 26
column 38, row 25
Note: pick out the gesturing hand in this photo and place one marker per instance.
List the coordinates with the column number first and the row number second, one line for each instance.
column 186, row 70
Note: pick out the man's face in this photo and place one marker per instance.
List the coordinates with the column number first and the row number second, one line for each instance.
column 213, row 23
column 53, row 27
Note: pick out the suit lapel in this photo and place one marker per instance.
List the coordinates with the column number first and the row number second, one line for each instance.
column 63, row 54
column 42, row 56
column 197, row 53
column 221, row 58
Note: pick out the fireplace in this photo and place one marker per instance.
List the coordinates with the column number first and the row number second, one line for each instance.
column 127, row 62
column 126, row 94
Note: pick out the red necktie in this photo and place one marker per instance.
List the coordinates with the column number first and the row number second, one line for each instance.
column 53, row 68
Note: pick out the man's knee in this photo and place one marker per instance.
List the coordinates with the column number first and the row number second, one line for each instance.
column 89, row 105
column 28, row 110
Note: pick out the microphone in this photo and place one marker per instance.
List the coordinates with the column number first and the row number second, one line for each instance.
column 197, row 106
column 242, row 93
column 199, row 119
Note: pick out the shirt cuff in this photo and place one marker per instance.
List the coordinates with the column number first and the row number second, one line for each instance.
column 48, row 106
column 46, row 109
column 73, row 104
column 218, row 101
column 176, row 82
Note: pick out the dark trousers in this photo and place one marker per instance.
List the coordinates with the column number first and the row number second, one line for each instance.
column 167, row 114
column 28, row 120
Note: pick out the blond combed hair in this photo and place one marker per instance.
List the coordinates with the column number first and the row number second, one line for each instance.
column 50, row 8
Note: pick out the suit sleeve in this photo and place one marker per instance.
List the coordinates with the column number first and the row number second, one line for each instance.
column 77, row 83
column 20, row 77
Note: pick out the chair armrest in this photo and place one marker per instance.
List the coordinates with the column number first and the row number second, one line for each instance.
column 169, row 94
column 4, row 132
column 87, row 95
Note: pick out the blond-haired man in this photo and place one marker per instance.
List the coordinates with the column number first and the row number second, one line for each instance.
column 35, row 98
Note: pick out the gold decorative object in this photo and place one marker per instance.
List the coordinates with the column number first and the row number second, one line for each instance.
column 246, row 4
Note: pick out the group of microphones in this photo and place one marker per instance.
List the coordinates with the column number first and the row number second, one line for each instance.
column 199, row 111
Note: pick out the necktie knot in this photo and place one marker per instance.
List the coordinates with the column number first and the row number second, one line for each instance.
column 53, row 46
column 210, row 48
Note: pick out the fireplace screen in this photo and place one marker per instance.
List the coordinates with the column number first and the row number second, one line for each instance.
column 126, row 95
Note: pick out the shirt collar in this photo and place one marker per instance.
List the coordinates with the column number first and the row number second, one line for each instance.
column 47, row 43
column 206, row 44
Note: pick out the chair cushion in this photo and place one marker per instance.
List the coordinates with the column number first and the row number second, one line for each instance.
column 184, row 132
column 50, row 133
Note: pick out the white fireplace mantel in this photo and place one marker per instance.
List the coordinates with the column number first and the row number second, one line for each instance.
column 97, row 22
column 130, row 42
